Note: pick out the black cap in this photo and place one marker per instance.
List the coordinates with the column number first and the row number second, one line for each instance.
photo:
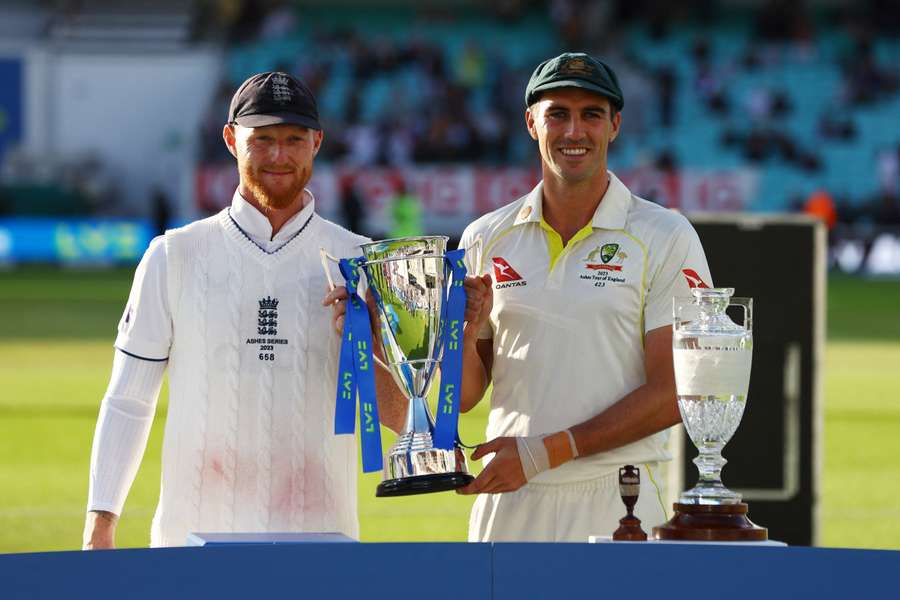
column 273, row 98
column 575, row 69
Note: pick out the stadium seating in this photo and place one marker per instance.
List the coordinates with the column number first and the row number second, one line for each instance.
column 809, row 75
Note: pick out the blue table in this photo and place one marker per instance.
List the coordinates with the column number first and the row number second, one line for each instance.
column 468, row 571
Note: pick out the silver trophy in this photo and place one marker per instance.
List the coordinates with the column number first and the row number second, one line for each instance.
column 712, row 357
column 407, row 278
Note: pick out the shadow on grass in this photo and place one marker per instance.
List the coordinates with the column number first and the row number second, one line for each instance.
column 52, row 303
column 863, row 309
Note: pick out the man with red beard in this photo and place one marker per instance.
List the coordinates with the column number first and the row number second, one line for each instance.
column 231, row 304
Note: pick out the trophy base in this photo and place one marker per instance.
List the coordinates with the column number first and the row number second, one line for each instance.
column 629, row 530
column 711, row 523
column 422, row 484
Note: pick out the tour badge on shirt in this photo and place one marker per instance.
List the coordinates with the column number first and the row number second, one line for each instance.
column 505, row 276
column 603, row 265
column 267, row 330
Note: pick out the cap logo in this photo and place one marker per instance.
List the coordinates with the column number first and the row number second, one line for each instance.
column 577, row 67
column 281, row 91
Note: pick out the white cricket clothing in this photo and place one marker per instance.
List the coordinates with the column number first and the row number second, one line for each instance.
column 567, row 512
column 123, row 427
column 249, row 442
column 568, row 323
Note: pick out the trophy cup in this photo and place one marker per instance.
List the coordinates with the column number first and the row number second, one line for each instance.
column 630, row 488
column 413, row 280
column 712, row 357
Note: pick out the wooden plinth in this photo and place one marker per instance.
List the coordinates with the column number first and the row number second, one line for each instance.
column 711, row 523
column 629, row 530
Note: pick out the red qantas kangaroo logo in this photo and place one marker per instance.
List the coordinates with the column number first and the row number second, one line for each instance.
column 504, row 272
column 693, row 280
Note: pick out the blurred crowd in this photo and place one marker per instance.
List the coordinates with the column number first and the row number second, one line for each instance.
column 434, row 125
column 464, row 103
column 395, row 89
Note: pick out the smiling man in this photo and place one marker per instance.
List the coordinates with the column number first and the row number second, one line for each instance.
column 231, row 305
column 569, row 316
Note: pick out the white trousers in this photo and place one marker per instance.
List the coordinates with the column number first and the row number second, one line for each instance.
column 567, row 512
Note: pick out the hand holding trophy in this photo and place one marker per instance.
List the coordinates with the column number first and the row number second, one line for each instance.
column 712, row 357
column 420, row 299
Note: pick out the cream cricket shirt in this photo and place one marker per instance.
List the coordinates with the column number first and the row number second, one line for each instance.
column 568, row 323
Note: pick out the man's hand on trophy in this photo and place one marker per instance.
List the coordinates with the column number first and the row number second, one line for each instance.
column 479, row 302
column 503, row 474
column 337, row 299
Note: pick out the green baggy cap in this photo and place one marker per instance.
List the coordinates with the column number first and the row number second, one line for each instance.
column 575, row 69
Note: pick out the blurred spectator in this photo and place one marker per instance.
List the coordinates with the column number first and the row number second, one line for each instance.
column 352, row 208
column 471, row 68
column 508, row 10
column 210, row 139
column 848, row 212
column 400, row 144
column 161, row 210
column 362, row 144
column 821, row 205
column 781, row 104
column 710, row 86
column 889, row 170
column 886, row 209
column 666, row 82
column 666, row 161
column 642, row 96
column 493, row 132
column 836, row 125
column 406, row 213
column 866, row 80
column 280, row 22
column 782, row 21
column 247, row 19
column 758, row 104
column 566, row 16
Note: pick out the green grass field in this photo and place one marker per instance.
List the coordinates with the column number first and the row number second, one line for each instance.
column 56, row 335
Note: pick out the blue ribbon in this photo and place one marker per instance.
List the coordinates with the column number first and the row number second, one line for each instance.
column 356, row 376
column 445, row 427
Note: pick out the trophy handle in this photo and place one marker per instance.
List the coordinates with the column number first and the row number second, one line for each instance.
column 324, row 257
column 679, row 304
column 746, row 305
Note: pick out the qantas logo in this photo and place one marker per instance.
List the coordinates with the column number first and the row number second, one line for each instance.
column 505, row 275
column 504, row 272
column 693, row 280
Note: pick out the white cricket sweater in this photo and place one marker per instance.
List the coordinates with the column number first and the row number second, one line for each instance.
column 249, row 442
